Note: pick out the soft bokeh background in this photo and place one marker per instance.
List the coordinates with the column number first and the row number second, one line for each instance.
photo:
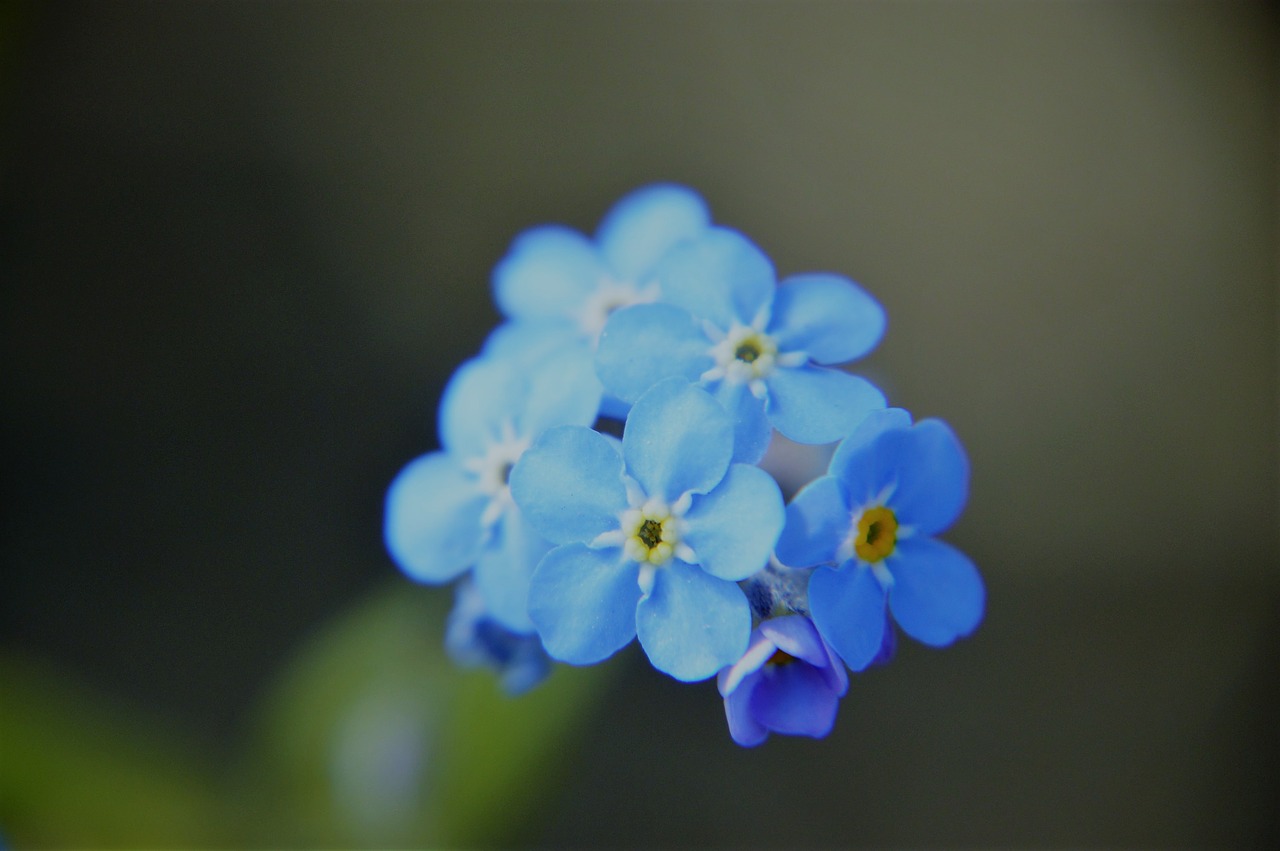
column 243, row 245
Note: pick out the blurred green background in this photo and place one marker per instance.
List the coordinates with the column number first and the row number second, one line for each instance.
column 243, row 245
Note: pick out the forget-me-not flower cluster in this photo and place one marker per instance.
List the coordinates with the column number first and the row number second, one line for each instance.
column 568, row 542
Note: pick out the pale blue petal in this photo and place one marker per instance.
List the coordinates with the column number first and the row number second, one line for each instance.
column 432, row 525
column 569, row 484
column 483, row 394
column 533, row 339
column 864, row 472
column 743, row 727
column 733, row 528
column 677, row 439
column 828, row 316
column 691, row 625
column 937, row 593
column 548, row 272
column 796, row 636
column 932, row 473
column 848, row 608
column 562, row 390
column 645, row 343
column 796, row 700
column 751, row 429
column 759, row 652
column 721, row 277
column 583, row 602
column 814, row 404
column 819, row 519
column 645, row 225
column 504, row 568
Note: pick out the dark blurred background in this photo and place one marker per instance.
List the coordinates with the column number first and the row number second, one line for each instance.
column 243, row 246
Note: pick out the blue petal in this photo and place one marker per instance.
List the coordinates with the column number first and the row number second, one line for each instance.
column 433, row 511
column 646, row 224
column 751, row 429
column 932, row 475
column 819, row 519
column 562, row 390
column 645, row 343
column 721, row 277
column 743, row 727
column 828, row 316
column 583, row 602
column 548, row 272
column 796, row 700
column 504, row 568
column 530, row 340
column 691, row 624
column 738, row 674
column 734, row 527
column 937, row 594
column 863, row 471
column 814, row 404
column 677, row 439
column 848, row 608
column 569, row 484
column 796, row 636
column 482, row 395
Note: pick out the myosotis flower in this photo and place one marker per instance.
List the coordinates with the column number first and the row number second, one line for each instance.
column 653, row 534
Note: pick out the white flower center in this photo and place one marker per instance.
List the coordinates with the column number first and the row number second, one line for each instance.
column 747, row 355
column 493, row 469
column 650, row 532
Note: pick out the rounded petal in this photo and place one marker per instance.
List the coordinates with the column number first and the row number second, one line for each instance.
column 583, row 602
column 532, row 339
column 646, row 224
column 483, row 394
column 864, row 472
column 720, row 277
column 751, row 429
column 848, row 608
column 569, row 484
column 814, row 404
column 691, row 624
column 562, row 390
column 548, row 272
column 937, row 593
column 505, row 567
column 743, row 727
column 796, row 700
column 932, row 474
column 432, row 526
column 733, row 528
column 645, row 343
column 818, row 521
column 736, row 675
column 796, row 636
column 677, row 439
column 828, row 316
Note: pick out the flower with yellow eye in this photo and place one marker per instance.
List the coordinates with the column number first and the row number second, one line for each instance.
column 868, row 525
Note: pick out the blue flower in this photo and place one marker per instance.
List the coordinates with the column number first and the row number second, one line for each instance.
column 653, row 534
column 869, row 523
column 567, row 284
column 762, row 350
column 451, row 510
column 789, row 681
column 474, row 639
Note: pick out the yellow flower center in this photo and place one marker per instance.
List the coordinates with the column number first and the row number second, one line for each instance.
column 876, row 534
column 651, row 535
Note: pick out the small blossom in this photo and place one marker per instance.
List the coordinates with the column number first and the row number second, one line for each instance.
column 789, row 681
column 868, row 526
column 763, row 350
column 474, row 639
column 653, row 534
column 450, row 510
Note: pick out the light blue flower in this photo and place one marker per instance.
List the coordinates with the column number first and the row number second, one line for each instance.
column 450, row 510
column 869, row 523
column 761, row 349
column 653, row 534
column 789, row 681
column 567, row 284
column 474, row 640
